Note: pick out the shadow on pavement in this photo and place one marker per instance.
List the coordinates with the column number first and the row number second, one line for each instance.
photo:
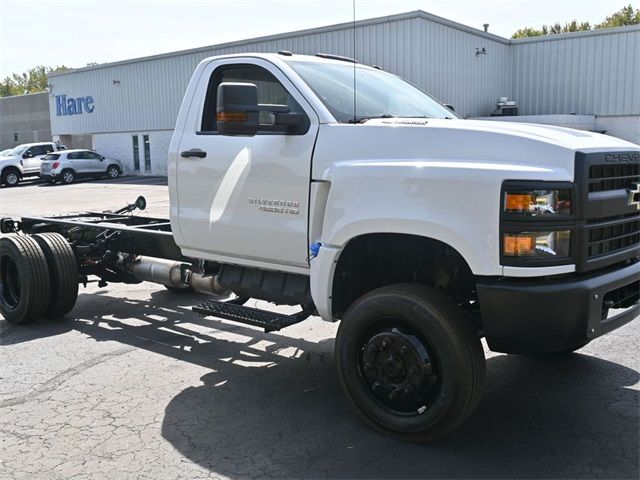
column 272, row 406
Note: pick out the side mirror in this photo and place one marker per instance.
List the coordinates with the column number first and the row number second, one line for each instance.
column 101, row 158
column 237, row 109
column 450, row 107
column 141, row 203
column 27, row 155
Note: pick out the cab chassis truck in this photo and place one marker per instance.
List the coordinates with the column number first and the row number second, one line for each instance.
column 421, row 232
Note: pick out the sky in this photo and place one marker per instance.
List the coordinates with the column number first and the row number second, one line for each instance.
column 76, row 32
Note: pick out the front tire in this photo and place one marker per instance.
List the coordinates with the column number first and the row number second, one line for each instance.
column 410, row 362
column 10, row 177
column 24, row 279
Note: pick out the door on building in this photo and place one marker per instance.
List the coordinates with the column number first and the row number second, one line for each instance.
column 248, row 194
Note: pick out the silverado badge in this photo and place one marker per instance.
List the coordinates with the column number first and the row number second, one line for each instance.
column 634, row 195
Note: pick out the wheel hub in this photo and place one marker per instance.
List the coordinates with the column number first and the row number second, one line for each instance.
column 9, row 283
column 398, row 369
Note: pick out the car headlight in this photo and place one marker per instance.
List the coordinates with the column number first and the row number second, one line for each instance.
column 538, row 202
column 537, row 245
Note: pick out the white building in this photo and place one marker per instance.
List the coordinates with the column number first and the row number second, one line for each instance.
column 589, row 80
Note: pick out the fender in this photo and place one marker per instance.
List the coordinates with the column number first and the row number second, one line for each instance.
column 433, row 199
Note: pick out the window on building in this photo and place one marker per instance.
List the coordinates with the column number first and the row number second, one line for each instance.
column 136, row 154
column 270, row 91
column 147, row 153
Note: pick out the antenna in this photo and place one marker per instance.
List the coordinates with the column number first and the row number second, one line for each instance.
column 354, row 63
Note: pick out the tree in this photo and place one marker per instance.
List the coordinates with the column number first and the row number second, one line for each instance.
column 625, row 16
column 32, row 81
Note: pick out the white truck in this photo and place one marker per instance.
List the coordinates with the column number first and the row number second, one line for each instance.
column 421, row 232
column 24, row 161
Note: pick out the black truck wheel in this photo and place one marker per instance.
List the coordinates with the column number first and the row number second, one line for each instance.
column 63, row 273
column 410, row 362
column 24, row 279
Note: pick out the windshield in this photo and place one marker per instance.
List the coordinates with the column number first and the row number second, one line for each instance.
column 16, row 152
column 379, row 94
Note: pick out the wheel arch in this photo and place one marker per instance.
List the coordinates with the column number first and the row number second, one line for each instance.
column 340, row 275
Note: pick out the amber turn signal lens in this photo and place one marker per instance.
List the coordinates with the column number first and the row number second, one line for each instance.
column 231, row 116
column 518, row 202
column 519, row 245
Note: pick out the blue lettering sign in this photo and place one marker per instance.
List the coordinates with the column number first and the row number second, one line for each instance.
column 74, row 106
column 61, row 105
column 88, row 104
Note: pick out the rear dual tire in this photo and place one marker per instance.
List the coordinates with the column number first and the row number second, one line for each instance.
column 410, row 362
column 63, row 273
column 38, row 275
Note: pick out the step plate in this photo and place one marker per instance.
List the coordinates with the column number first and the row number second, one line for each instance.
column 251, row 316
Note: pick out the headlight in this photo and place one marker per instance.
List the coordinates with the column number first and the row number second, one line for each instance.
column 539, row 245
column 538, row 202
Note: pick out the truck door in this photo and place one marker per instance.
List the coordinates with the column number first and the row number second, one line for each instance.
column 245, row 197
column 32, row 158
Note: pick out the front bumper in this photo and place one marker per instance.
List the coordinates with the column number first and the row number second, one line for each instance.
column 537, row 316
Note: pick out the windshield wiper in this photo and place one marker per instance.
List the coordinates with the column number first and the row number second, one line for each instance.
column 364, row 119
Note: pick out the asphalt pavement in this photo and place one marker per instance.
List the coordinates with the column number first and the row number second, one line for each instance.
column 132, row 384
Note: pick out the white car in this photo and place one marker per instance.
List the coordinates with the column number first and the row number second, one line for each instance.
column 69, row 165
column 24, row 161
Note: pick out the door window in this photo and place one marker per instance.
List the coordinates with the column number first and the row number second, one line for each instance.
column 92, row 156
column 270, row 91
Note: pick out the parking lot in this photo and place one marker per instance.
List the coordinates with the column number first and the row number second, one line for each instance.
column 132, row 384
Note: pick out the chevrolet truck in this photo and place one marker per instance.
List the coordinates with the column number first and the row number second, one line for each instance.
column 375, row 206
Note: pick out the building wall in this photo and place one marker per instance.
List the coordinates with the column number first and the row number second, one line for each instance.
column 120, row 145
column 586, row 73
column 626, row 127
column 27, row 116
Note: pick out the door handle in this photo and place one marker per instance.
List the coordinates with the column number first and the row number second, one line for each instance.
column 194, row 152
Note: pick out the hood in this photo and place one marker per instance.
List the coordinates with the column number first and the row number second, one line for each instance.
column 560, row 136
column 546, row 152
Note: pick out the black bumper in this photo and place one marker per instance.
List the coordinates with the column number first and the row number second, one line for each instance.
column 531, row 316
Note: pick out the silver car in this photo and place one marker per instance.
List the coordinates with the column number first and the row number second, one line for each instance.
column 69, row 165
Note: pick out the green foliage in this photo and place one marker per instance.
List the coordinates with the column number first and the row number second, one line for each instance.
column 625, row 16
column 32, row 81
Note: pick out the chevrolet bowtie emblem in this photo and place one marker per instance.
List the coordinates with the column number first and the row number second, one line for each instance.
column 634, row 195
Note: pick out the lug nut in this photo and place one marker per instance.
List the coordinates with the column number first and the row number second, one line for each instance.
column 375, row 386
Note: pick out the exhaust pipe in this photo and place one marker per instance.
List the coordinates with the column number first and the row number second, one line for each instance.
column 176, row 274
column 159, row 270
